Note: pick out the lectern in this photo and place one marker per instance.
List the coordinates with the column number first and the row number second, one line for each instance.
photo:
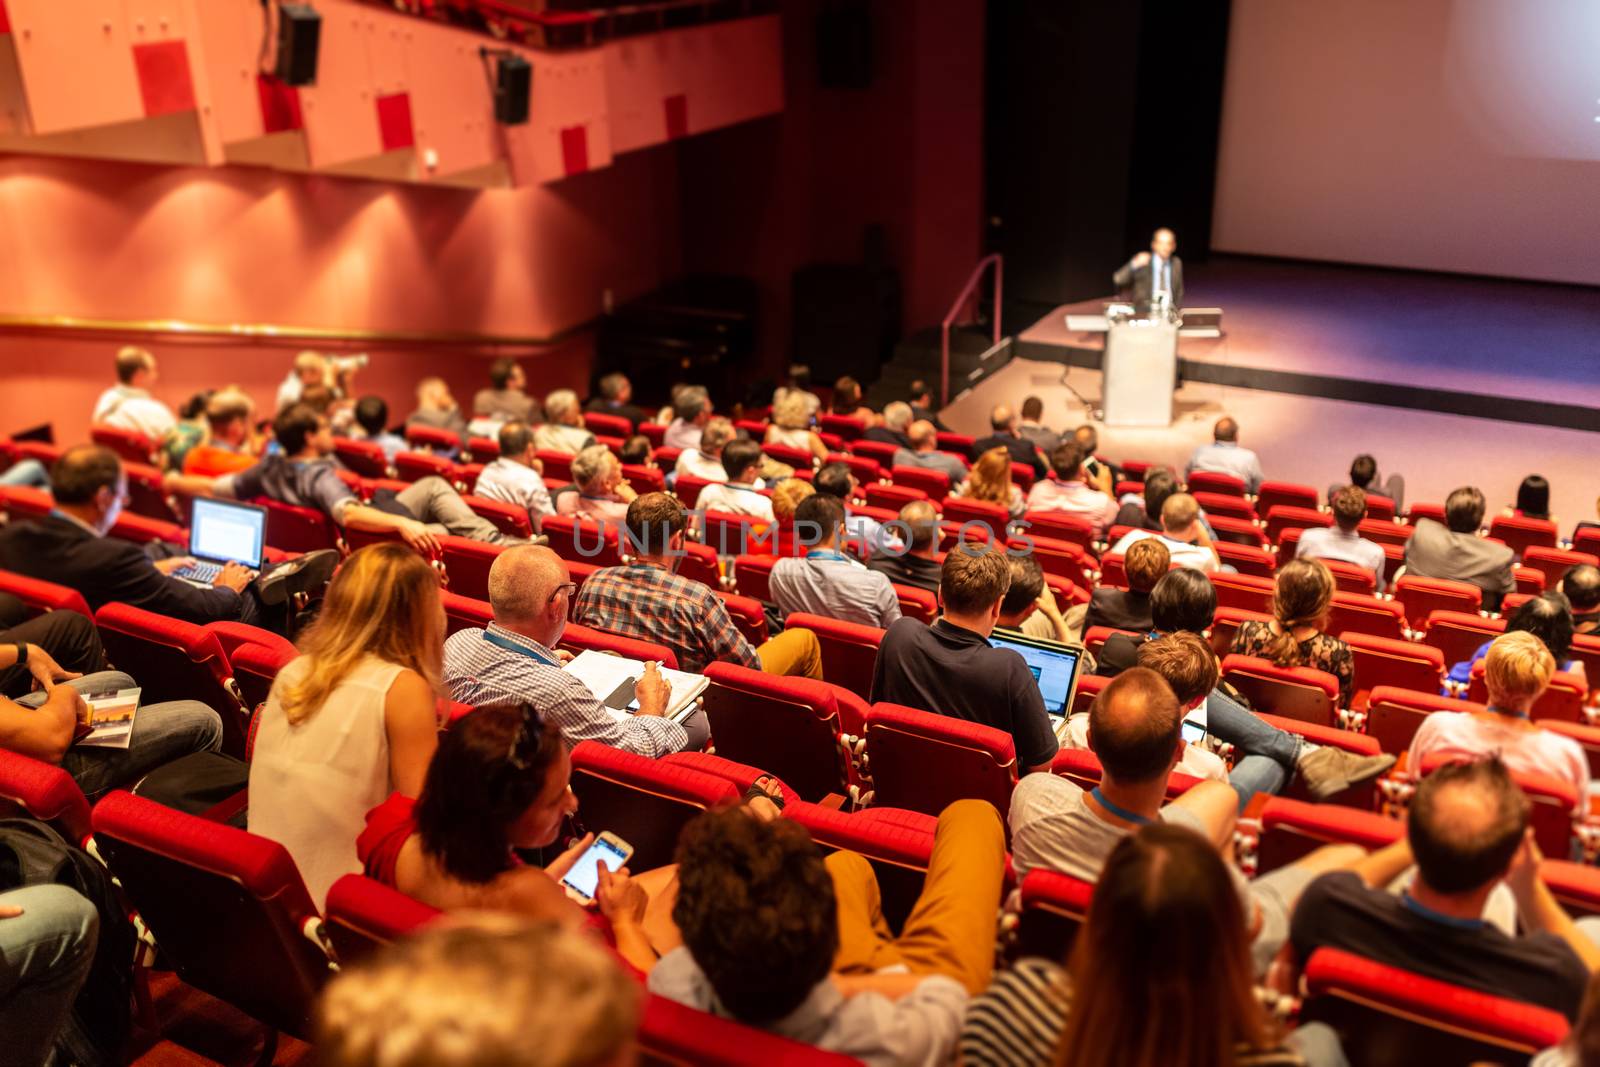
column 1141, row 367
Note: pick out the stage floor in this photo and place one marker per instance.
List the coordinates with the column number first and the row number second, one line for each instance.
column 1518, row 351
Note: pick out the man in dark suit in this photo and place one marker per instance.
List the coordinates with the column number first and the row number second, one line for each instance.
column 1455, row 550
column 1003, row 421
column 70, row 547
column 616, row 398
column 1150, row 274
column 922, row 405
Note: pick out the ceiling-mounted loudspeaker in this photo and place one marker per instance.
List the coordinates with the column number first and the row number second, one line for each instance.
column 299, row 31
column 513, row 85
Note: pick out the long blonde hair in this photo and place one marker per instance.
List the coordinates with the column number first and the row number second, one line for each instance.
column 990, row 478
column 384, row 601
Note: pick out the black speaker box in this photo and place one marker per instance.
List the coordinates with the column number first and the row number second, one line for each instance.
column 299, row 31
column 513, row 85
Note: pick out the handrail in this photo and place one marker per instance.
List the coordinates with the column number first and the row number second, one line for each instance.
column 955, row 310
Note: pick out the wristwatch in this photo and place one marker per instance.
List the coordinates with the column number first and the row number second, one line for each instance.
column 22, row 653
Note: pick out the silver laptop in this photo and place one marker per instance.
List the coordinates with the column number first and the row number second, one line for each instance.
column 222, row 532
column 1055, row 668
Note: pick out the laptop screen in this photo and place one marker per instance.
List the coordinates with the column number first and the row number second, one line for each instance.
column 222, row 531
column 1054, row 666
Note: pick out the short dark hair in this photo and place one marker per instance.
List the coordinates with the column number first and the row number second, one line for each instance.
column 833, row 479
column 818, row 515
column 653, row 520
column 372, row 415
column 1362, row 470
column 1159, row 483
column 1027, row 582
column 636, row 450
column 1349, row 507
column 1067, row 459
column 1548, row 617
column 1032, row 408
column 739, row 454
column 973, row 578
column 293, row 425
column 1185, row 661
column 488, row 770
column 1582, row 587
column 1463, row 509
column 1135, row 723
column 920, row 389
column 500, row 371
column 514, row 438
column 611, row 385
column 1184, row 599
column 1453, row 860
column 82, row 471
column 757, row 911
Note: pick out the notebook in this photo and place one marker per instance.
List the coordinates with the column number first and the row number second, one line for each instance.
column 612, row 680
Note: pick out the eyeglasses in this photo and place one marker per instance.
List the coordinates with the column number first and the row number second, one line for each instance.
column 568, row 587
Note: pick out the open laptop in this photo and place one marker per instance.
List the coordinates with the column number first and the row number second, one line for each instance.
column 1055, row 667
column 221, row 532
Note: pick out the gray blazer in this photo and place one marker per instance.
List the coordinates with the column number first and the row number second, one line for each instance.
column 1436, row 551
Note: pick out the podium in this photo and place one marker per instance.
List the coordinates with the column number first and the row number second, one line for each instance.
column 1141, row 369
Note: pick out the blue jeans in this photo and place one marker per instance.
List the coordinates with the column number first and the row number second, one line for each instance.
column 1265, row 755
column 161, row 734
column 45, row 954
column 28, row 472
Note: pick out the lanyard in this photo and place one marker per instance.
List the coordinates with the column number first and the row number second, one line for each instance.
column 1120, row 812
column 1411, row 904
column 1506, row 711
column 817, row 553
column 522, row 650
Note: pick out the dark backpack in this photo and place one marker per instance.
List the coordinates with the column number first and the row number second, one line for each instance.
column 31, row 853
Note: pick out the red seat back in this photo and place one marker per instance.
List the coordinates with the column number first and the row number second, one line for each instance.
column 464, row 613
column 1458, row 634
column 991, row 517
column 1247, row 559
column 1235, row 531
column 1082, row 768
column 687, row 489
column 467, row 563
column 1421, row 597
column 646, row 802
column 1222, row 504
column 598, row 422
column 414, row 466
column 1521, row 534
column 296, row 529
column 1292, row 829
column 482, row 450
column 879, row 452
column 1402, row 664
column 644, row 479
column 41, row 596
column 1349, row 578
column 1355, row 613
column 1054, row 908
column 798, row 458
column 671, row 1034
column 147, row 496
column 1216, row 482
column 227, row 907
column 917, row 603
column 788, row 726
column 898, row 843
column 925, row 762
column 892, row 497
column 727, row 534
column 936, row 484
column 747, row 614
column 576, row 638
column 1287, row 517
column 700, row 564
column 1248, row 592
column 141, row 530
column 959, row 444
column 1292, row 692
column 507, row 518
column 1385, row 531
column 849, row 427
column 22, row 502
column 363, row 915
column 366, row 458
column 430, row 439
column 45, row 792
column 1554, row 563
column 1394, row 715
column 1056, row 525
column 1285, row 494
column 849, row 650
column 129, row 445
column 1225, row 627
column 753, row 576
column 583, row 540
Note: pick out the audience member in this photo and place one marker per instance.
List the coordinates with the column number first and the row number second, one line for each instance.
column 691, row 410
column 189, row 432
column 1224, row 455
column 63, row 638
column 1146, row 563
column 128, row 405
column 303, row 475
column 615, row 397
column 922, row 409
column 867, row 536
column 704, row 460
column 1030, row 607
column 31, row 473
column 227, row 447
column 896, row 420
column 1142, row 510
column 1455, row 551
column 1581, row 586
column 1294, row 636
column 48, row 936
column 514, row 477
column 990, row 481
column 1135, row 728
column 1099, row 475
column 741, row 494
column 1182, row 531
column 1517, row 669
column 1581, row 1047
column 353, row 718
column 505, row 400
column 646, row 599
column 1467, row 831
column 1364, row 476
column 786, row 498
column 308, row 370
column 1342, row 541
column 924, row 452
column 637, row 451
column 827, row 582
column 1003, row 423
column 601, row 493
column 847, row 401
column 791, row 426
column 491, row 991
column 372, row 424
column 1546, row 617
column 1160, row 973
column 798, row 385
column 70, row 547
column 563, row 431
column 437, row 409
column 1031, row 429
column 1533, row 498
column 780, row 938
column 1069, row 491
column 918, row 566
column 514, row 661
column 950, row 668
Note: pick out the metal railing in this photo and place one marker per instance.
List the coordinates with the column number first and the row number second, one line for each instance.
column 967, row 291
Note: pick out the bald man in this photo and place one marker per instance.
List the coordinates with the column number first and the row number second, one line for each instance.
column 515, row 659
column 1003, row 423
column 924, row 452
column 1155, row 275
column 1224, row 455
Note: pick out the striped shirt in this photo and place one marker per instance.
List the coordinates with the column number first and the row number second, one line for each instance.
column 1019, row 1020
column 478, row 672
column 649, row 602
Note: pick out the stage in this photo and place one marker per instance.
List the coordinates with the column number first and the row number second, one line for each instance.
column 1515, row 351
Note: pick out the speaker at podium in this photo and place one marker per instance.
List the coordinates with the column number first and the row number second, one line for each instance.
column 1139, row 367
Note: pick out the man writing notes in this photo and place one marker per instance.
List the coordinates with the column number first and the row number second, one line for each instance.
column 1154, row 275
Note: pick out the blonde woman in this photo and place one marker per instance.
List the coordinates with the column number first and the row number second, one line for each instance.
column 353, row 718
column 990, row 481
column 791, row 426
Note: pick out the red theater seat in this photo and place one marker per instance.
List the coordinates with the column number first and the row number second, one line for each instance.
column 1521, row 534
column 296, row 529
column 1058, row 526
column 22, row 502
column 747, row 614
column 935, row 484
column 45, row 792
column 1216, row 482
column 1290, row 829
column 1285, row 494
column 925, row 762
column 1394, row 715
column 1082, row 768
column 670, row 1033
column 364, row 457
column 790, row 727
column 1381, row 661
column 1422, row 597
column 1249, row 560
column 1223, row 504
column 428, row 439
column 1235, row 531
column 464, row 613
column 1287, row 517
column 1248, row 592
column 879, row 452
column 41, row 596
column 1562, row 701
column 1292, row 692
column 892, row 497
column 576, row 638
column 917, row 603
column 647, row 802
column 599, row 423
column 753, row 576
column 467, row 563
column 364, row 915
column 1355, row 613
column 898, row 843
column 992, row 517
column 583, row 540
column 129, row 445
column 1054, row 908
column 1554, row 563
column 507, row 518
column 147, row 495
column 849, row 427
column 1458, row 634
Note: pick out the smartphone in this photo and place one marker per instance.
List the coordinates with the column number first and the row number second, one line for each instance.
column 583, row 881
column 1193, row 733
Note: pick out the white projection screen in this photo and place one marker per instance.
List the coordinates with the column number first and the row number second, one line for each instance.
column 1452, row 135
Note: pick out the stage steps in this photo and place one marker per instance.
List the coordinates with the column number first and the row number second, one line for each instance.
column 918, row 356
